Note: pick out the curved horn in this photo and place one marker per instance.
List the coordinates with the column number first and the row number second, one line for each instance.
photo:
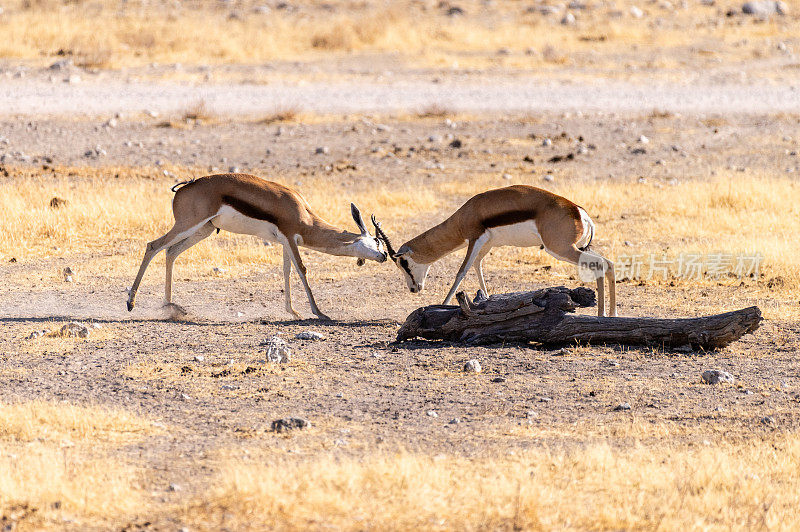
column 358, row 219
column 380, row 234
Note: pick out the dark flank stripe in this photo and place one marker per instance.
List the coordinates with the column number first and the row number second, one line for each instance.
column 249, row 209
column 509, row 218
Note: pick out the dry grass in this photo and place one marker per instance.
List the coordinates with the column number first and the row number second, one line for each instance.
column 735, row 213
column 43, row 485
column 740, row 485
column 289, row 114
column 54, row 467
column 99, row 215
column 132, row 34
column 52, row 421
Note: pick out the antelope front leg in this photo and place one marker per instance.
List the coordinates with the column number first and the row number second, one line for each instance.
column 287, row 282
column 473, row 250
column 301, row 271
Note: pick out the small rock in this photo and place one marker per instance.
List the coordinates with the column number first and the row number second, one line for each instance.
column 219, row 271
column 454, row 11
column 73, row 79
column 644, row 140
column 549, row 178
column 36, row 334
column 507, row 177
column 174, row 487
column 457, row 143
column 545, row 399
column 568, row 20
column 716, row 376
column 636, row 12
column 622, row 406
column 289, row 423
column 547, row 142
column 67, row 272
column 322, row 150
column 74, row 329
column 228, row 387
column 432, row 413
column 111, row 122
column 199, row 358
column 769, row 421
column 499, row 379
column 472, row 366
column 277, row 350
column 61, row 64
column 531, row 414
column 764, row 8
column 455, row 421
column 310, row 335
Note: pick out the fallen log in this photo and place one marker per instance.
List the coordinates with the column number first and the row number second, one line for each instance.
column 547, row 317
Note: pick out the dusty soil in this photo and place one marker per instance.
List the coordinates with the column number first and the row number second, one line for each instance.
column 359, row 390
column 109, row 94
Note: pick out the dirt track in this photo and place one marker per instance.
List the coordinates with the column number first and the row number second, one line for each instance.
column 485, row 94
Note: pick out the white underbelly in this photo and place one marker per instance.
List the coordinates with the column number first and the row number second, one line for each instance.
column 229, row 219
column 523, row 234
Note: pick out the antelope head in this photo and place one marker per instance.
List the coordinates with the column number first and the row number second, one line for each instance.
column 366, row 246
column 414, row 272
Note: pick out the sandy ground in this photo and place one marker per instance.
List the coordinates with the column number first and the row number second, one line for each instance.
column 490, row 94
column 361, row 391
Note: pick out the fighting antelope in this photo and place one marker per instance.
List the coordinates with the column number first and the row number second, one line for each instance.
column 518, row 215
column 249, row 205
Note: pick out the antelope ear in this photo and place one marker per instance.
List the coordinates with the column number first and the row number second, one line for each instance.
column 360, row 262
column 358, row 219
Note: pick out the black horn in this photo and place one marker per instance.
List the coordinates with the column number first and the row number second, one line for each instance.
column 380, row 234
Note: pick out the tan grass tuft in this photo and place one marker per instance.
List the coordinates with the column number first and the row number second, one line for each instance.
column 48, row 420
column 594, row 486
column 288, row 114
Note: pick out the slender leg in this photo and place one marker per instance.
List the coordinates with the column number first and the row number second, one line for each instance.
column 479, row 269
column 287, row 281
column 301, row 270
column 612, row 288
column 473, row 249
column 176, row 234
column 601, row 297
column 176, row 249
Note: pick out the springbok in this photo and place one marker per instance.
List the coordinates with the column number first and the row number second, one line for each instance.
column 518, row 215
column 249, row 205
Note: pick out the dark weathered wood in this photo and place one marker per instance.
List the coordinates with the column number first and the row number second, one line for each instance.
column 547, row 316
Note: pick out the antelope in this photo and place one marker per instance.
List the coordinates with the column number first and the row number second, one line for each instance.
column 249, row 205
column 520, row 216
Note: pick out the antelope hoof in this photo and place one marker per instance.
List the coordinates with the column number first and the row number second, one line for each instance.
column 130, row 306
column 322, row 316
column 294, row 313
